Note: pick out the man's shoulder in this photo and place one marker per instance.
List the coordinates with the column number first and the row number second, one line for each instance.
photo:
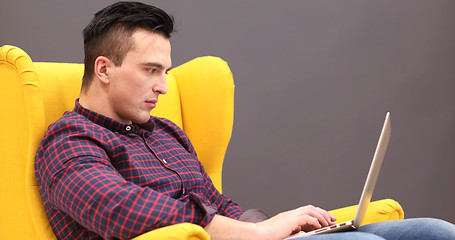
column 70, row 124
column 72, row 120
column 70, row 132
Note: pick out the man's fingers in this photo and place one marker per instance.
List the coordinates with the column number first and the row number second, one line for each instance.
column 311, row 223
column 323, row 217
column 329, row 219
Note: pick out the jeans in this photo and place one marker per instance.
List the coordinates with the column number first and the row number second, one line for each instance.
column 408, row 229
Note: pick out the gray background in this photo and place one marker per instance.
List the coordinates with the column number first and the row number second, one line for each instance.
column 314, row 80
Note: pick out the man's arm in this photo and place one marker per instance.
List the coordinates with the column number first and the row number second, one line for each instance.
column 278, row 227
column 97, row 197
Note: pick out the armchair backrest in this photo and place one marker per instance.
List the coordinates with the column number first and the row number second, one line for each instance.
column 200, row 99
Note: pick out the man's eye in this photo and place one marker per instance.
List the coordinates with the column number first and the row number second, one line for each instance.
column 152, row 70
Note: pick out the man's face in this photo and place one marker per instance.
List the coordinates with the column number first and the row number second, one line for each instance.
column 134, row 86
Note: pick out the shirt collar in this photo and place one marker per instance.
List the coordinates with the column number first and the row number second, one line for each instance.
column 111, row 124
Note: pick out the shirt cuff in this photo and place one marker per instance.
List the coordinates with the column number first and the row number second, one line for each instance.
column 207, row 211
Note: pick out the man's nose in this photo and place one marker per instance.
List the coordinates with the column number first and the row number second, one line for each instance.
column 161, row 85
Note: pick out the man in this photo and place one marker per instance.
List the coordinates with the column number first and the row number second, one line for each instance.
column 109, row 170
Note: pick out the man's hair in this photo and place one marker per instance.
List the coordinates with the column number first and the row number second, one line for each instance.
column 110, row 31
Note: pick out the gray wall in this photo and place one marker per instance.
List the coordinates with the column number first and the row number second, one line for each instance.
column 314, row 81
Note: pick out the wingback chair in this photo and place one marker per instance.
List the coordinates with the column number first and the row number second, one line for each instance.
column 200, row 99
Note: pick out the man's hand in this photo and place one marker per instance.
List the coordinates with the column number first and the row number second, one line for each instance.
column 282, row 225
column 305, row 219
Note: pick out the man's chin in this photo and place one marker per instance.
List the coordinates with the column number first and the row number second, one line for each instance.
column 142, row 120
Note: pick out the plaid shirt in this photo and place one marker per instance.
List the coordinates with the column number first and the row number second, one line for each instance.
column 100, row 178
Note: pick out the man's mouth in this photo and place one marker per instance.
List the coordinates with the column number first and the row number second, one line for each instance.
column 151, row 103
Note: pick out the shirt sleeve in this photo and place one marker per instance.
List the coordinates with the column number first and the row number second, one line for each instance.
column 80, row 181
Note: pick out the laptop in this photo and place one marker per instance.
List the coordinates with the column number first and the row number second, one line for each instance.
column 367, row 189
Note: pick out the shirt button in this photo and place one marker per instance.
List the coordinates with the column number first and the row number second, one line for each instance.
column 164, row 160
column 183, row 191
column 128, row 128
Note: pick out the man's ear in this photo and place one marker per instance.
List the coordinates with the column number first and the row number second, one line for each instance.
column 102, row 65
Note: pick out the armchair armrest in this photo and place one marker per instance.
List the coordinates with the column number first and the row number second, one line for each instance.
column 378, row 211
column 182, row 231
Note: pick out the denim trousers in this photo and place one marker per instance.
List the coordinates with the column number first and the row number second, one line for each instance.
column 408, row 229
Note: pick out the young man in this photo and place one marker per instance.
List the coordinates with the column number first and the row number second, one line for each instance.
column 109, row 170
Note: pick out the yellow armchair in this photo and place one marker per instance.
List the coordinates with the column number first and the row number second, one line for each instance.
column 200, row 99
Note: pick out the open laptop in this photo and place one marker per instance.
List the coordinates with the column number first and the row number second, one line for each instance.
column 367, row 189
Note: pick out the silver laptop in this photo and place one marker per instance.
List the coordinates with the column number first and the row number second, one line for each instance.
column 367, row 189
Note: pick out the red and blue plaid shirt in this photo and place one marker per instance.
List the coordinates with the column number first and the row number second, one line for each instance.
column 100, row 178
